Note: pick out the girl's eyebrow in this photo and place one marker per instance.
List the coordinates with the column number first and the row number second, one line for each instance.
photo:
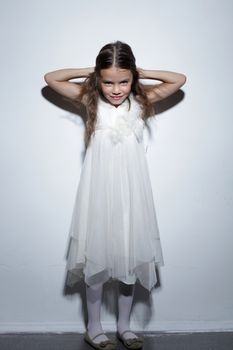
column 110, row 81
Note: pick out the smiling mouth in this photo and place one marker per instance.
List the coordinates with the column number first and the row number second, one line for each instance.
column 116, row 97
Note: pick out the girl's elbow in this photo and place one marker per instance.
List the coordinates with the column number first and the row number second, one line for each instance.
column 49, row 78
column 46, row 78
column 183, row 79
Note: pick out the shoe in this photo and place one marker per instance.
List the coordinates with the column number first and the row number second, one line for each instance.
column 103, row 345
column 131, row 343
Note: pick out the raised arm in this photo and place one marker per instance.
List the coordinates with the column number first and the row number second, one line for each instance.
column 171, row 82
column 58, row 80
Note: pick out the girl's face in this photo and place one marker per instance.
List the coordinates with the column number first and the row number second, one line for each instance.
column 116, row 84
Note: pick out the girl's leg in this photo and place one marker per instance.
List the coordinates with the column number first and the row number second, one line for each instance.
column 125, row 299
column 94, row 298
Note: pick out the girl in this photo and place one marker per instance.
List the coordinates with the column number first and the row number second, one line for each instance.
column 114, row 232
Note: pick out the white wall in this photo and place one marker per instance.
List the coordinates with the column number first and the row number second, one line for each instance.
column 189, row 158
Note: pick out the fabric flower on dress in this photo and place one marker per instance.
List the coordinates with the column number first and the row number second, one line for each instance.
column 123, row 127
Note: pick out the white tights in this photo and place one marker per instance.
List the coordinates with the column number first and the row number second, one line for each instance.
column 94, row 299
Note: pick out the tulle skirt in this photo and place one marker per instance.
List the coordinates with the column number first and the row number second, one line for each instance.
column 114, row 232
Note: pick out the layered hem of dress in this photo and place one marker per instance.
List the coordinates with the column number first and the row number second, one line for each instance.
column 128, row 269
column 145, row 274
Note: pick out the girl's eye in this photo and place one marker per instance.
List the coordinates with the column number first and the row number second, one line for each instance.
column 107, row 83
column 125, row 82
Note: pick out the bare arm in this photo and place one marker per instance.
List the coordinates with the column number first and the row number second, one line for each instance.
column 171, row 82
column 58, row 80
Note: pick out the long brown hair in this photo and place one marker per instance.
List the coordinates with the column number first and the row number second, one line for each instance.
column 120, row 55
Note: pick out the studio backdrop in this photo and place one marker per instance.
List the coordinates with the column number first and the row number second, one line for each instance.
column 188, row 152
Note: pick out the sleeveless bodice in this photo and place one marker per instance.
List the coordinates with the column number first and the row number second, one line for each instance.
column 122, row 121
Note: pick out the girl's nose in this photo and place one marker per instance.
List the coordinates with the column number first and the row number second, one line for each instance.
column 116, row 89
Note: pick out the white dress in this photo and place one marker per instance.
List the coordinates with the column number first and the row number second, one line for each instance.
column 114, row 232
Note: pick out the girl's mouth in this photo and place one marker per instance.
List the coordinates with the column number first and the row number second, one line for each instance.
column 116, row 97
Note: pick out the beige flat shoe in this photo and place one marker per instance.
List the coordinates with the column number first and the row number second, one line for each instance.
column 103, row 345
column 131, row 343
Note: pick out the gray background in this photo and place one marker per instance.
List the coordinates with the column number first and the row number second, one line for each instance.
column 189, row 157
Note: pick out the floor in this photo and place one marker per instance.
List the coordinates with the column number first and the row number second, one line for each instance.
column 155, row 341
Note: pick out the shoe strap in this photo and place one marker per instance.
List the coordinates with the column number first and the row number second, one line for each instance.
column 98, row 335
column 128, row 330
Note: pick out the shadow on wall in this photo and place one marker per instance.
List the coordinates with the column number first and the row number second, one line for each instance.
column 141, row 296
column 64, row 103
column 75, row 109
